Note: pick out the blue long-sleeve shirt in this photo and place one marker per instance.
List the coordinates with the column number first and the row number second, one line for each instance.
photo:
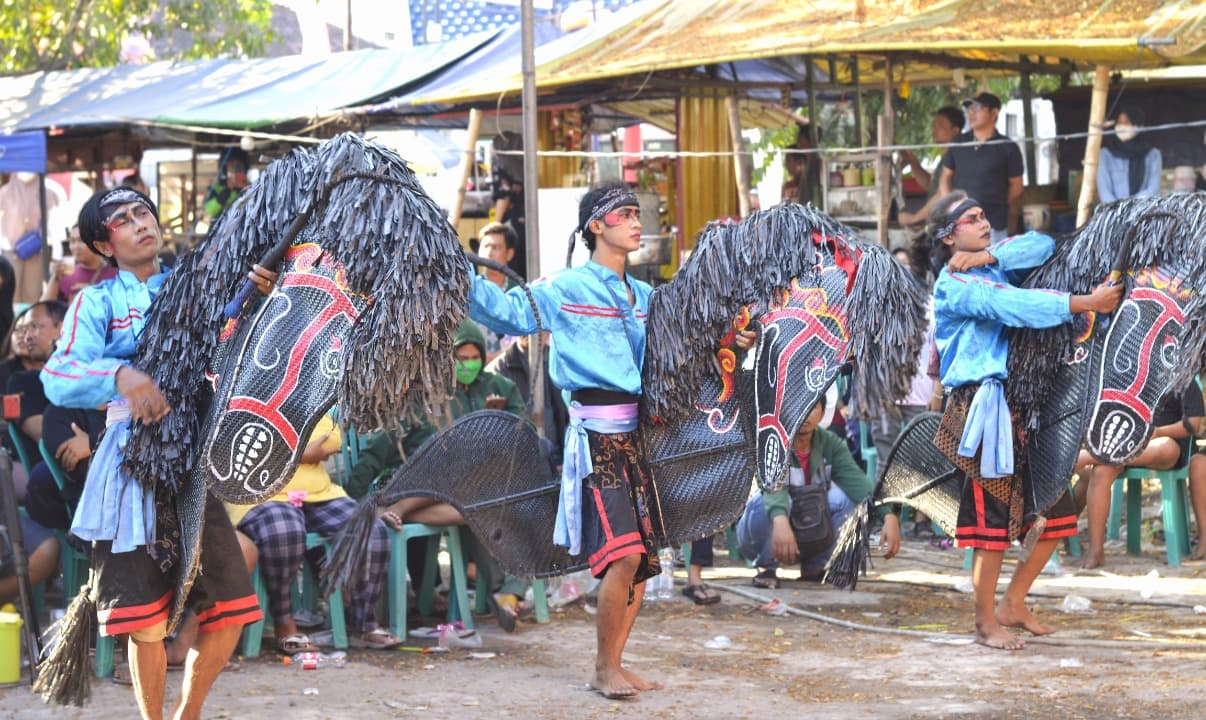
column 973, row 309
column 598, row 335
column 1114, row 175
column 100, row 334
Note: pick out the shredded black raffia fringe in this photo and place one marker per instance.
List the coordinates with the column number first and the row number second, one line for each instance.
column 747, row 262
column 64, row 674
column 397, row 247
column 1168, row 230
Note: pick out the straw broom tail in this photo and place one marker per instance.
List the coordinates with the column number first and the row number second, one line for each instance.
column 64, row 675
column 350, row 548
column 853, row 547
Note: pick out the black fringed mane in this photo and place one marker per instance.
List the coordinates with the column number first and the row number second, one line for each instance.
column 735, row 264
column 1164, row 229
column 397, row 247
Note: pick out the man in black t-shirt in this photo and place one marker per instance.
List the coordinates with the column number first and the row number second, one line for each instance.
column 985, row 164
column 1175, row 422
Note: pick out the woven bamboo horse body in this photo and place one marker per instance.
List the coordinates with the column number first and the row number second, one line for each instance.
column 818, row 292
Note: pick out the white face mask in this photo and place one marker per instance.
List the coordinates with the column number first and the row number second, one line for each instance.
column 1125, row 133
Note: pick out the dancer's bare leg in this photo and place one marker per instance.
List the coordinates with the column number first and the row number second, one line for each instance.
column 1012, row 611
column 986, row 570
column 630, row 616
column 148, row 670
column 205, row 662
column 613, row 621
column 438, row 514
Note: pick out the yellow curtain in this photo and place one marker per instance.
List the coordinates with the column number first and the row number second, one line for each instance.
column 554, row 171
column 707, row 188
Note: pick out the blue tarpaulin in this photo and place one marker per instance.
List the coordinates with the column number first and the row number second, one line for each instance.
column 222, row 92
column 23, row 152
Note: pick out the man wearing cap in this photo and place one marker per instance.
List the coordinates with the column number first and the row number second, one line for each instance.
column 985, row 164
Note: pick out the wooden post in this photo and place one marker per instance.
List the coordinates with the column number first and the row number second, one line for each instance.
column 860, row 135
column 886, row 139
column 814, row 189
column 458, row 204
column 1028, row 129
column 741, row 161
column 1088, row 180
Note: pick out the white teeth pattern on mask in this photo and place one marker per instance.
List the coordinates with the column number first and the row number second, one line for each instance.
column 252, row 447
column 1118, row 428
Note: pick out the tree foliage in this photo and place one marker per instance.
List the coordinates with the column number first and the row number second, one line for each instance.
column 61, row 34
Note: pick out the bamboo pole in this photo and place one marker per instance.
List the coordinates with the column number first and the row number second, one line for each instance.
column 886, row 134
column 475, row 126
column 1028, row 129
column 741, row 161
column 1088, row 180
column 531, row 189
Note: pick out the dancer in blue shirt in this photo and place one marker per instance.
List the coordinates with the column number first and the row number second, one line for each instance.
column 596, row 314
column 131, row 542
column 975, row 302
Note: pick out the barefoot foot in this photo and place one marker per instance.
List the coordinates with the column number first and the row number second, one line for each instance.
column 640, row 683
column 995, row 636
column 612, row 685
column 1093, row 559
column 1019, row 616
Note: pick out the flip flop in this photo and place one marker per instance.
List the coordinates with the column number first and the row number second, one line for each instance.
column 295, row 643
column 375, row 639
column 505, row 611
column 699, row 594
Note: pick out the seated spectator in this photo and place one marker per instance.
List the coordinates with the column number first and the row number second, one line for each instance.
column 1175, row 422
column 311, row 502
column 71, row 434
column 696, row 589
column 68, row 278
column 34, row 334
column 475, row 390
column 1197, row 494
column 42, row 550
column 497, row 241
column 764, row 530
column 512, row 364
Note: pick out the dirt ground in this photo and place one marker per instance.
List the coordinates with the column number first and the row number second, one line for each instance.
column 1142, row 653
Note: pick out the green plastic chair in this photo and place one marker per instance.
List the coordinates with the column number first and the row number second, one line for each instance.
column 74, row 564
column 458, row 598
column 1174, row 509
column 305, row 594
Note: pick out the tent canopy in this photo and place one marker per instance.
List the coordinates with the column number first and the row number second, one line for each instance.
column 23, row 152
column 220, row 93
column 927, row 37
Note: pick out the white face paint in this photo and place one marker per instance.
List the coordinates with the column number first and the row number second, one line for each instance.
column 1126, row 132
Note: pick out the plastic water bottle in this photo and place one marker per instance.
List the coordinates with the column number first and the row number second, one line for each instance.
column 313, row 660
column 665, row 586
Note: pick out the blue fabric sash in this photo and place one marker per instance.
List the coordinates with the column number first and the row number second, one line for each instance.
column 604, row 419
column 113, row 506
column 990, row 430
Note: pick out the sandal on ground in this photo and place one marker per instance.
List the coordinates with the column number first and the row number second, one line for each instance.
column 298, row 642
column 122, row 674
column 505, row 607
column 701, row 594
column 767, row 580
column 375, row 639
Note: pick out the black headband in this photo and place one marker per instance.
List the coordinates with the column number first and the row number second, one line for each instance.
column 615, row 198
column 952, row 218
column 119, row 196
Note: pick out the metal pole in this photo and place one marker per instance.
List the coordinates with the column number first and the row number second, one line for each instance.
column 1088, row 180
column 42, row 224
column 531, row 183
